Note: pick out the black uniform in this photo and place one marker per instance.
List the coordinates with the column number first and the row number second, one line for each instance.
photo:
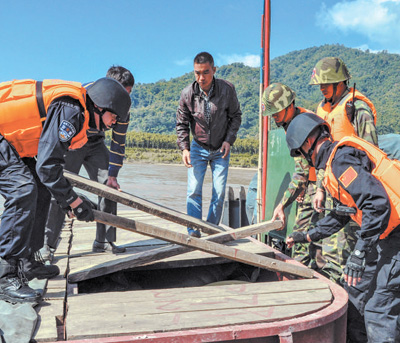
column 25, row 183
column 377, row 296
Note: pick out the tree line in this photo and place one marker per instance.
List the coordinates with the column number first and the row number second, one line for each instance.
column 377, row 75
column 149, row 140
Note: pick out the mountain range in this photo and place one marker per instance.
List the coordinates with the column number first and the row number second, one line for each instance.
column 376, row 74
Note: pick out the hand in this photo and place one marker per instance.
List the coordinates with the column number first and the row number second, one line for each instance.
column 226, row 147
column 186, row 158
column 354, row 267
column 300, row 197
column 84, row 210
column 297, row 237
column 318, row 200
column 279, row 214
column 112, row 182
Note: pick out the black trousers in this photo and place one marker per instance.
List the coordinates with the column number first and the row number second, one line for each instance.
column 26, row 204
column 374, row 304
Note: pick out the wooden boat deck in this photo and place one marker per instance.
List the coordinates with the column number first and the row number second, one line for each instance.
column 67, row 314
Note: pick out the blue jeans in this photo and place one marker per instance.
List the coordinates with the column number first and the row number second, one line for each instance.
column 200, row 158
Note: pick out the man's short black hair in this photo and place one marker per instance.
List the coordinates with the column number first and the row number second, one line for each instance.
column 122, row 75
column 204, row 57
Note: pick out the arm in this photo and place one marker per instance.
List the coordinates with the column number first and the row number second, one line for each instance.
column 182, row 127
column 364, row 122
column 51, row 150
column 296, row 186
column 298, row 183
column 234, row 117
column 319, row 197
column 117, row 153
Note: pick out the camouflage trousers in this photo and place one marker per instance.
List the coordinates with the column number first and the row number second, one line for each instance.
column 337, row 248
column 307, row 253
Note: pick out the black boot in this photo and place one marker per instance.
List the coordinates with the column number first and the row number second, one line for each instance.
column 37, row 269
column 107, row 247
column 13, row 285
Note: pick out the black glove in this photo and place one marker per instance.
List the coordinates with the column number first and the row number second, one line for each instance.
column 84, row 211
column 84, row 197
column 299, row 236
column 355, row 264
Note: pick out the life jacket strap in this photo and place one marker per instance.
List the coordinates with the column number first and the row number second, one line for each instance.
column 39, row 100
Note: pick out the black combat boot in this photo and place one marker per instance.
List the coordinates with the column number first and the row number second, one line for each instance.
column 107, row 247
column 37, row 269
column 13, row 285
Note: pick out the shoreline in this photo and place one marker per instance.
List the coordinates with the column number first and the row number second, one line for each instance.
column 178, row 164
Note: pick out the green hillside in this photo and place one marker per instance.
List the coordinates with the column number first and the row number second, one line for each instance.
column 377, row 75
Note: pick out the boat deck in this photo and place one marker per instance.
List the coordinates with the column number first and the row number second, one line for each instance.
column 162, row 298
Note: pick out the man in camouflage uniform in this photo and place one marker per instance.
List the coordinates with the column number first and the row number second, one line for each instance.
column 348, row 112
column 278, row 101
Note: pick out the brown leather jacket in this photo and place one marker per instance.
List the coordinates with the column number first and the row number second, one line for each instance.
column 226, row 116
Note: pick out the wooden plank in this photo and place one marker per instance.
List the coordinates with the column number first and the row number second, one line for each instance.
column 214, row 302
column 46, row 328
column 234, row 289
column 87, row 265
column 204, row 245
column 141, row 204
column 153, row 255
column 190, row 308
column 121, row 324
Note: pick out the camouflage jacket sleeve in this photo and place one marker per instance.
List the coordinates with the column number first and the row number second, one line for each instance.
column 298, row 182
column 363, row 122
column 320, row 178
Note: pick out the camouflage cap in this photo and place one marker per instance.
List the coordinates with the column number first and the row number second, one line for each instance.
column 329, row 70
column 276, row 97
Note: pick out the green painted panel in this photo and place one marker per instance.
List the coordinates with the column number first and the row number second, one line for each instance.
column 280, row 167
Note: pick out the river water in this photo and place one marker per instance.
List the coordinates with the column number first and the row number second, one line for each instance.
column 165, row 184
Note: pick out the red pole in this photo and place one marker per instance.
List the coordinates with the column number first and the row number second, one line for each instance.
column 266, row 26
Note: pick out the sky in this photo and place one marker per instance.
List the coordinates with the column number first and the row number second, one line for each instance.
column 79, row 40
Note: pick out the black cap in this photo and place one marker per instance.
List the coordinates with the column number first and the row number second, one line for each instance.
column 300, row 128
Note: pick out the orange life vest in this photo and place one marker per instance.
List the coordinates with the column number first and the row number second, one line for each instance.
column 312, row 176
column 387, row 171
column 337, row 118
column 20, row 121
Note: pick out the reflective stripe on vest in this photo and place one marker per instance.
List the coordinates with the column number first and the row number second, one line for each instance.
column 337, row 118
column 387, row 171
column 20, row 121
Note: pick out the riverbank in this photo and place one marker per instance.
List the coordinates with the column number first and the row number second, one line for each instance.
column 168, row 156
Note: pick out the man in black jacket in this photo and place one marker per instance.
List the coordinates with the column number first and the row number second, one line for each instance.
column 209, row 108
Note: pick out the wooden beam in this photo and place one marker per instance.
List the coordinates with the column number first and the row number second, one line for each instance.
column 154, row 255
column 205, row 245
column 141, row 204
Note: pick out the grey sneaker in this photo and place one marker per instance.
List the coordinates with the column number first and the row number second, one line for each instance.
column 107, row 247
